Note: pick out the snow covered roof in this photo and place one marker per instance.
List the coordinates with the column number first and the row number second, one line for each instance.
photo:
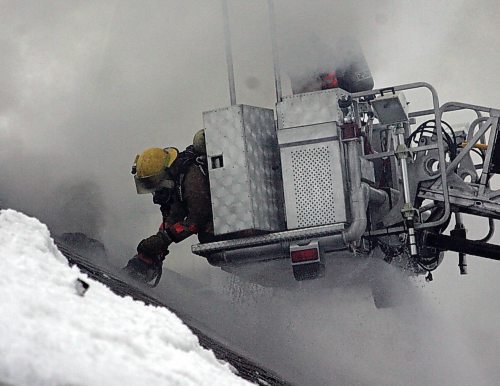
column 50, row 334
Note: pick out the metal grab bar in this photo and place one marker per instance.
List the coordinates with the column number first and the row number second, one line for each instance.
column 439, row 134
column 470, row 144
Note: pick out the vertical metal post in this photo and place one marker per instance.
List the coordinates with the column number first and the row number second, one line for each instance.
column 229, row 55
column 460, row 232
column 402, row 154
column 404, row 172
column 276, row 62
column 485, row 174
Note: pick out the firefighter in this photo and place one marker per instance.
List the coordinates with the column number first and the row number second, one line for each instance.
column 320, row 80
column 179, row 184
column 344, row 67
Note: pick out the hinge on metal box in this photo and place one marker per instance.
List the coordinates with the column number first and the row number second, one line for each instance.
column 350, row 131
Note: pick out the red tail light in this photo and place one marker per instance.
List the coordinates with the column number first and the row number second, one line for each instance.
column 304, row 255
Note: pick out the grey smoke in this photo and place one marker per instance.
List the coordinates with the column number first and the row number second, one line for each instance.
column 32, row 183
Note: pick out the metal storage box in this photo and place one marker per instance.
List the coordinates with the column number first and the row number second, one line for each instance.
column 310, row 108
column 312, row 160
column 244, row 169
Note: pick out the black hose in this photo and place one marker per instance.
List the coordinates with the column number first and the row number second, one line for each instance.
column 431, row 124
column 491, row 230
column 479, row 152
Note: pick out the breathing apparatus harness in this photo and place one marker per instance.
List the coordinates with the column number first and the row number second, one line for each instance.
column 186, row 159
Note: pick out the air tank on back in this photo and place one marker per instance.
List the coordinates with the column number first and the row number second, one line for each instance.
column 353, row 72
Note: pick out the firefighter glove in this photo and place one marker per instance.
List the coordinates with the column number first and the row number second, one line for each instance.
column 155, row 247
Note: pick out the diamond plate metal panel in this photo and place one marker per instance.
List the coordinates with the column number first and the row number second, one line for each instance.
column 309, row 109
column 244, row 172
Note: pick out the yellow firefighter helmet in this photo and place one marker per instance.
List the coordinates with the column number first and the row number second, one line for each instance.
column 150, row 169
column 199, row 142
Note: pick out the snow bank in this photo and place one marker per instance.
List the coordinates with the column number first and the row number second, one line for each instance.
column 51, row 335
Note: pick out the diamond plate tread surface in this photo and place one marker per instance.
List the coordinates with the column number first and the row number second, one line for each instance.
column 246, row 190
